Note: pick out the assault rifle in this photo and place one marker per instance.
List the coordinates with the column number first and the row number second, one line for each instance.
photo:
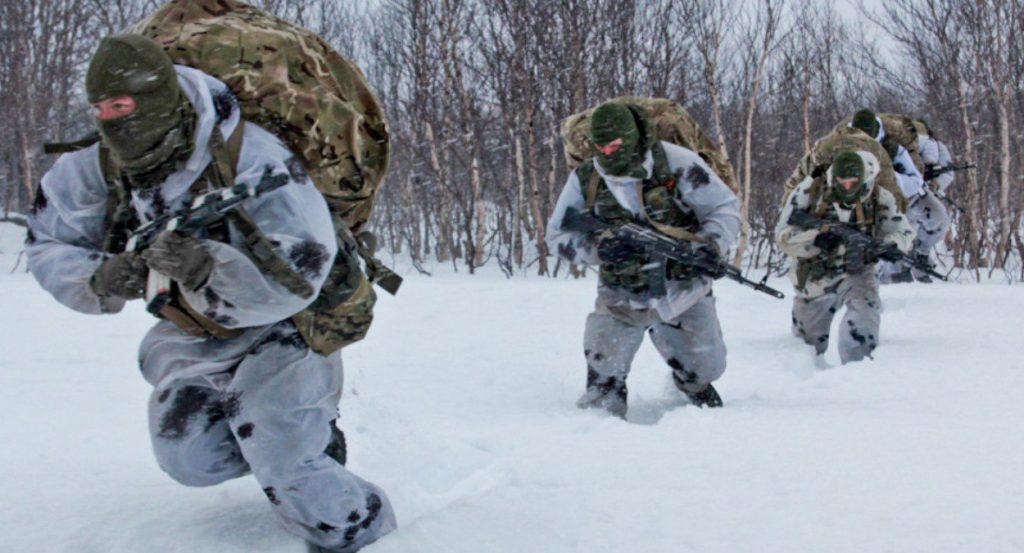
column 203, row 212
column 935, row 171
column 861, row 249
column 663, row 246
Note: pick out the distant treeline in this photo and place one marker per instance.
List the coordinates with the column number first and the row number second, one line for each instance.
column 475, row 91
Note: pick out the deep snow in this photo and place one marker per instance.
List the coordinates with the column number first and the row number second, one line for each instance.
column 460, row 404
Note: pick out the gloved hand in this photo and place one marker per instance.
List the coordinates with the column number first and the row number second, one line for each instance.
column 827, row 241
column 180, row 257
column 890, row 253
column 615, row 249
column 712, row 259
column 122, row 275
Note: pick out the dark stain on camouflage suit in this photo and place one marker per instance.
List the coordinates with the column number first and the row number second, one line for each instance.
column 285, row 335
column 245, row 430
column 163, row 396
column 309, row 258
column 227, row 406
column 40, row 202
column 224, row 102
column 271, row 495
column 324, row 527
column 698, row 176
column 296, row 170
column 373, row 507
column 188, row 402
column 567, row 252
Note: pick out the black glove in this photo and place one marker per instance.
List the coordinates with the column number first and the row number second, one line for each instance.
column 890, row 252
column 711, row 259
column 827, row 241
column 615, row 249
column 180, row 257
column 122, row 276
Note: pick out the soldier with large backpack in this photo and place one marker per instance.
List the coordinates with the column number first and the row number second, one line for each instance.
column 835, row 227
column 254, row 305
column 630, row 174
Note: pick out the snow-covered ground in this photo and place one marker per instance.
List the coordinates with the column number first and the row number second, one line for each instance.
column 460, row 404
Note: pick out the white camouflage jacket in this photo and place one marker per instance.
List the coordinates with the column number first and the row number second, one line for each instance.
column 891, row 225
column 701, row 190
column 67, row 227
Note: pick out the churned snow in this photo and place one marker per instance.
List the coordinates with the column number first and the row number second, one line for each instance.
column 460, row 404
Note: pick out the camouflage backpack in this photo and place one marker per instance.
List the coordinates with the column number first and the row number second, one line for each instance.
column 843, row 137
column 900, row 130
column 292, row 83
column 671, row 124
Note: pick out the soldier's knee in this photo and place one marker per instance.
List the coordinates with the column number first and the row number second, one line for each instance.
column 198, row 463
column 199, row 475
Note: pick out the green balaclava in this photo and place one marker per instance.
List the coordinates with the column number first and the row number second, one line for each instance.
column 867, row 121
column 611, row 122
column 848, row 165
column 161, row 127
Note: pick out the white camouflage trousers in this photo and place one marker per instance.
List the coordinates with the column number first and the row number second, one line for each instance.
column 691, row 344
column 268, row 413
column 858, row 330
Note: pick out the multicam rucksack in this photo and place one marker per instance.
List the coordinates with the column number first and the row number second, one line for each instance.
column 843, row 138
column 900, row 130
column 671, row 123
column 292, row 83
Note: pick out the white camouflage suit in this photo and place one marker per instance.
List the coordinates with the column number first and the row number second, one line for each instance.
column 928, row 212
column 220, row 409
column 683, row 323
column 818, row 300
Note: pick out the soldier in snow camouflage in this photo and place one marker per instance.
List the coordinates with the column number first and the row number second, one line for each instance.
column 242, row 389
column 632, row 173
column 827, row 272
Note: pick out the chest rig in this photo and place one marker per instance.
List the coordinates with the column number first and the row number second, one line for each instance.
column 831, row 264
column 219, row 173
column 643, row 275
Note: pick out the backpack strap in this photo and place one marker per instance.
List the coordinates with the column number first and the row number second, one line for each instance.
column 588, row 176
column 120, row 214
column 225, row 155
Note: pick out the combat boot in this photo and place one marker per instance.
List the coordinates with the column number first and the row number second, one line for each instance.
column 608, row 393
column 705, row 397
column 708, row 397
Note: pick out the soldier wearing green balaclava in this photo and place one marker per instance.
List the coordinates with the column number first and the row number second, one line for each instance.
column 867, row 121
column 618, row 136
column 829, row 269
column 158, row 133
column 636, row 175
column 848, row 177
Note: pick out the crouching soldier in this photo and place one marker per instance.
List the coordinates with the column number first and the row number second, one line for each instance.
column 635, row 178
column 237, row 390
column 835, row 228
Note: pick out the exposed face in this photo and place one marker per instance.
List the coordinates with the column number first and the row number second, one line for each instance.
column 114, row 108
column 609, row 148
column 848, row 184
